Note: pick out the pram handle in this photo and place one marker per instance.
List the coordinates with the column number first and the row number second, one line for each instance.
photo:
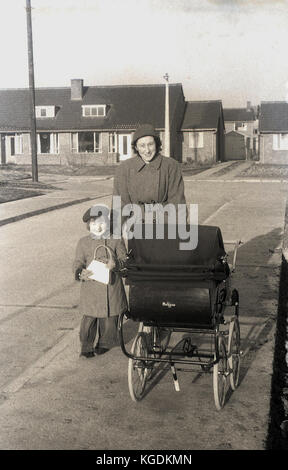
column 236, row 244
column 167, row 267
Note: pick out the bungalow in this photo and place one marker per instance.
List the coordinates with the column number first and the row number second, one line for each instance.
column 86, row 125
column 273, row 132
column 203, row 132
column 241, row 132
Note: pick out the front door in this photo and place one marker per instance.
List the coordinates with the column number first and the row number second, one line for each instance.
column 124, row 146
column 10, row 148
column 3, row 149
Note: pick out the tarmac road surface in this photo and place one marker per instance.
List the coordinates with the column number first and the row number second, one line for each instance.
column 52, row 399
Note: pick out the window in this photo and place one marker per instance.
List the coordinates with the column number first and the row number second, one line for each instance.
column 86, row 142
column 94, row 110
column 47, row 142
column 242, row 126
column 97, row 142
column 280, row 141
column 18, row 144
column 74, row 142
column 45, row 111
column 196, row 140
column 112, row 142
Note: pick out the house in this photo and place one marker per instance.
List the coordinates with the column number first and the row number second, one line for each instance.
column 273, row 132
column 86, row 125
column 241, row 141
column 203, row 132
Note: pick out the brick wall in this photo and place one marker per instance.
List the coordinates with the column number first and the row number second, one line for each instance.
column 65, row 156
column 267, row 154
column 205, row 155
column 83, row 159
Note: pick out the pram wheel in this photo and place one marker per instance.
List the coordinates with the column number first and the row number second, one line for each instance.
column 234, row 352
column 220, row 374
column 137, row 369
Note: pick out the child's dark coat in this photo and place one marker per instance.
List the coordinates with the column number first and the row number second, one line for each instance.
column 96, row 299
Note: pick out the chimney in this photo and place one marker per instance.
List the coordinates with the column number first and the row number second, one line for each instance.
column 248, row 105
column 76, row 89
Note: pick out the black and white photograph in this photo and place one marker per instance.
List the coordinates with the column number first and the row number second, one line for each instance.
column 143, row 228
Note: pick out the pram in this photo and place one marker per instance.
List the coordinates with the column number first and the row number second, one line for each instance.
column 182, row 291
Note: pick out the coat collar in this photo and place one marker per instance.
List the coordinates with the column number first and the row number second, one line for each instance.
column 155, row 164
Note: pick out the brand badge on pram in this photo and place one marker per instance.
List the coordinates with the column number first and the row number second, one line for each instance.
column 168, row 304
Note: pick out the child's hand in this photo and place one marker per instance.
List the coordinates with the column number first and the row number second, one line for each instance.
column 111, row 264
column 84, row 276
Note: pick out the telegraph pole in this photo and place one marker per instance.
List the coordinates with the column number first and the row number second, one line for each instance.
column 33, row 136
column 167, row 121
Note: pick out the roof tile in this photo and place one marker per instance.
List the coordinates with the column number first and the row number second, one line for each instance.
column 128, row 106
column 273, row 116
column 202, row 115
column 239, row 114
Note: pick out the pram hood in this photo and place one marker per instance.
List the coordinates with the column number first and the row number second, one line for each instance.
column 160, row 259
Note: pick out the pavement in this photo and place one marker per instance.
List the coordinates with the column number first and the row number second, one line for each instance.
column 45, row 371
column 66, row 192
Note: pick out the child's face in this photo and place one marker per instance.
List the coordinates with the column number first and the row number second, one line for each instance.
column 98, row 226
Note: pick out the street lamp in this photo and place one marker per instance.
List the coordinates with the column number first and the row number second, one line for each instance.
column 167, row 122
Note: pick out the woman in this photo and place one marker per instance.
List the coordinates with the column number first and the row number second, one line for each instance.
column 149, row 177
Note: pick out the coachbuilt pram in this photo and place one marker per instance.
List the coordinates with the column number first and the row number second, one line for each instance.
column 173, row 291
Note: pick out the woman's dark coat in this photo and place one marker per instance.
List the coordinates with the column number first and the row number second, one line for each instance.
column 160, row 181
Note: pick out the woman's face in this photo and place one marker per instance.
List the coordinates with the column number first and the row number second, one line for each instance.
column 146, row 148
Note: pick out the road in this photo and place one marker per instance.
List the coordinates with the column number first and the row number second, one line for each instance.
column 87, row 405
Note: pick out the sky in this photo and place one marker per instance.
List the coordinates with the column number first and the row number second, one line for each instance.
column 233, row 50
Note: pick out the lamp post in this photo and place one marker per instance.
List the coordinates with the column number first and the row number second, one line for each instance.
column 167, row 121
column 33, row 137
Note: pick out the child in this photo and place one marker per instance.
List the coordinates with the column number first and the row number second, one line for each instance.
column 100, row 304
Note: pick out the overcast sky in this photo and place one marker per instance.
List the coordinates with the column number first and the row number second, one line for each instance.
column 234, row 50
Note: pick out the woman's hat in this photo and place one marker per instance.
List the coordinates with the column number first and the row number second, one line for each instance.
column 143, row 131
column 96, row 211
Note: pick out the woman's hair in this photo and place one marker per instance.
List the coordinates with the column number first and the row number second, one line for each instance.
column 158, row 144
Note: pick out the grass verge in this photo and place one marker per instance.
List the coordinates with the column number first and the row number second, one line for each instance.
column 16, row 183
column 8, row 194
column 259, row 170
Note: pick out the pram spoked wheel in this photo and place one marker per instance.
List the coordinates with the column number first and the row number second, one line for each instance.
column 220, row 373
column 137, row 369
column 234, row 352
column 149, row 343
